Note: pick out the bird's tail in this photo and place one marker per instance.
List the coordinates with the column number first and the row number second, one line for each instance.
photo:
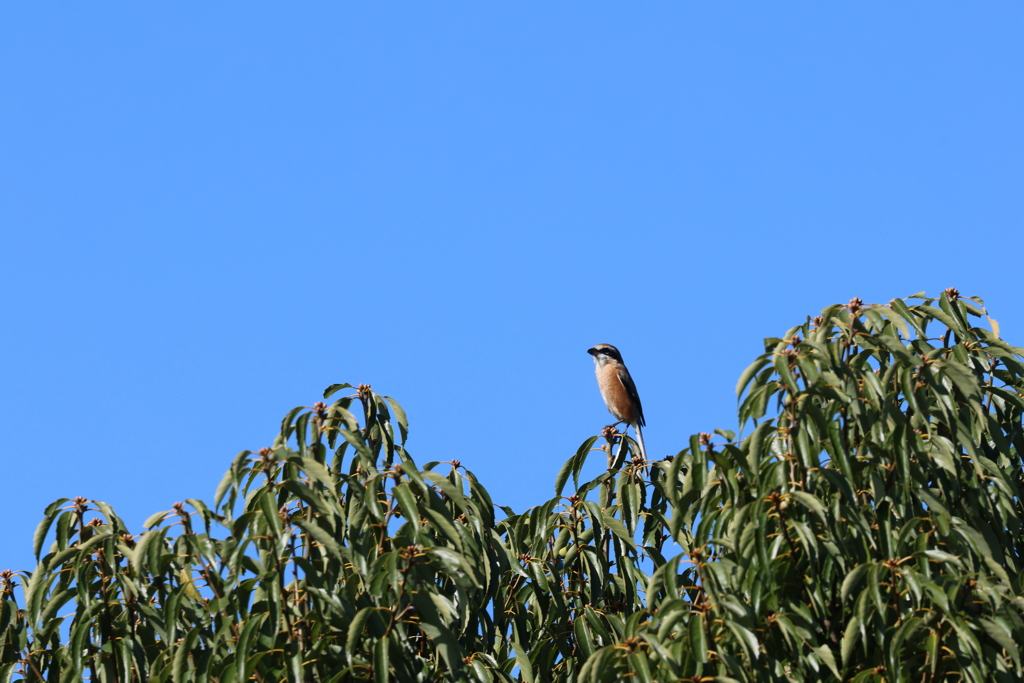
column 640, row 440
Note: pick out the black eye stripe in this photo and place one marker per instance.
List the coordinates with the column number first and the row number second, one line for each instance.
column 606, row 351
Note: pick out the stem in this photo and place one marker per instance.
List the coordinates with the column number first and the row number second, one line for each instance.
column 106, row 635
column 894, row 595
column 32, row 665
column 607, row 499
column 580, row 581
column 987, row 405
column 785, row 531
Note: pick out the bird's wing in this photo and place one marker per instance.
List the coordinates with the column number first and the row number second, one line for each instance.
column 627, row 382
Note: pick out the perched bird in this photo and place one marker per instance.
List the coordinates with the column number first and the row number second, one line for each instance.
column 618, row 391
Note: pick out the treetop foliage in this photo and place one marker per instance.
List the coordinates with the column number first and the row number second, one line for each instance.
column 867, row 528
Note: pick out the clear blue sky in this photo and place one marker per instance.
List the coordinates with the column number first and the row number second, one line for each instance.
column 212, row 211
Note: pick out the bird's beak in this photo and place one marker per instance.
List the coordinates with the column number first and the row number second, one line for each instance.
column 592, row 352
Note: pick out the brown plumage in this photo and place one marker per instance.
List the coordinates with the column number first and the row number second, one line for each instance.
column 618, row 390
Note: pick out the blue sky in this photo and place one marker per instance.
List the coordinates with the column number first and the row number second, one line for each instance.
column 212, row 211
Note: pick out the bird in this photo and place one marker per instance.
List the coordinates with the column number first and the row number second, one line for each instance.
column 618, row 390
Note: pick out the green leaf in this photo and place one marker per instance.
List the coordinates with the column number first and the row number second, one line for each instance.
column 617, row 528
column 850, row 637
column 448, row 487
column 445, row 526
column 381, row 668
column 594, row 669
column 900, row 307
column 320, row 535
column 316, row 471
column 1002, row 634
column 726, row 434
column 410, row 470
column 977, row 542
column 749, row 373
column 138, row 556
column 584, row 637
column 851, row 581
column 231, row 478
column 781, row 363
column 357, row 628
column 8, row 611
column 812, row 504
column 442, row 638
column 943, row 557
column 944, row 318
column 407, row 503
column 698, row 637
column 453, row 564
column 824, row 653
column 156, row 518
column 746, row 639
column 897, row 349
column 181, row 655
column 895, row 318
column 525, row 668
column 400, row 417
column 78, row 636
column 758, row 444
column 244, row 647
column 334, row 388
column 50, row 514
column 188, row 584
column 574, row 465
column 638, row 663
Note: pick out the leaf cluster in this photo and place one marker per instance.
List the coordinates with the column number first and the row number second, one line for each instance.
column 868, row 528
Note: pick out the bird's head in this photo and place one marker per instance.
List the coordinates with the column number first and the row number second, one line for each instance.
column 605, row 353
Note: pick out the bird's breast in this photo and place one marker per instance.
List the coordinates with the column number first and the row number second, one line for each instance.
column 614, row 394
